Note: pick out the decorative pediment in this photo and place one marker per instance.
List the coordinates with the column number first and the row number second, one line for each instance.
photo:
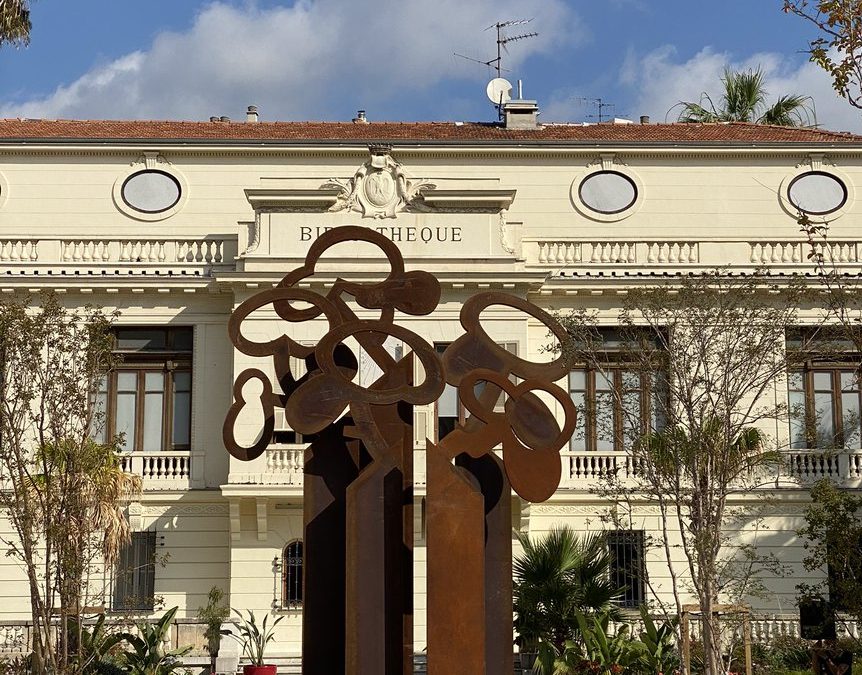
column 380, row 188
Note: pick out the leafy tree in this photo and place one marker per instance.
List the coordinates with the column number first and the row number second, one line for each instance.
column 744, row 100
column 14, row 22
column 63, row 494
column 838, row 50
column 557, row 577
column 702, row 355
column 833, row 530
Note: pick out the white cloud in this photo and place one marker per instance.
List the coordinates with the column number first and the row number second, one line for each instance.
column 313, row 59
column 659, row 81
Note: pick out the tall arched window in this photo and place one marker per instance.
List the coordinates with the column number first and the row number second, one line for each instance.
column 291, row 575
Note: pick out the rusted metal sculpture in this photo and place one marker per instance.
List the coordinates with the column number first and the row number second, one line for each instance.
column 358, row 492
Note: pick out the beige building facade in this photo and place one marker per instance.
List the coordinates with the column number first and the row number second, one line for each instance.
column 176, row 223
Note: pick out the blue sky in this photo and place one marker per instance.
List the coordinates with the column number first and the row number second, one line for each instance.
column 324, row 59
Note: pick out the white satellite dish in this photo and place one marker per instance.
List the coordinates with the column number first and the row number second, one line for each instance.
column 499, row 91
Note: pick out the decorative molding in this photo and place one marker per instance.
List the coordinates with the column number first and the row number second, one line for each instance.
column 262, row 527
column 815, row 161
column 235, row 526
column 568, row 510
column 380, row 188
column 158, row 510
column 507, row 244
column 151, row 159
column 253, row 234
column 607, row 161
column 135, row 516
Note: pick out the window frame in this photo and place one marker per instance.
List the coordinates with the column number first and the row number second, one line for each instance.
column 510, row 346
column 170, row 361
column 835, row 368
column 289, row 600
column 616, row 369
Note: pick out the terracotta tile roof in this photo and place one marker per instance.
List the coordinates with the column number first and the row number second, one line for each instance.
column 12, row 130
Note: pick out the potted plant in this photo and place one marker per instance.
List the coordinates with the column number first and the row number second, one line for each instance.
column 254, row 640
column 213, row 614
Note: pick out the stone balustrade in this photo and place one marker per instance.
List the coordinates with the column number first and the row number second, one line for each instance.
column 160, row 470
column 616, row 252
column 572, row 252
column 811, row 465
column 121, row 252
column 283, row 465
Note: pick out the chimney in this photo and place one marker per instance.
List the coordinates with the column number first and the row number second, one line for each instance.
column 224, row 118
column 644, row 119
column 521, row 114
column 251, row 114
column 360, row 117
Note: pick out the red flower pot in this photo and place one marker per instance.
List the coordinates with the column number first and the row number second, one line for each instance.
column 259, row 670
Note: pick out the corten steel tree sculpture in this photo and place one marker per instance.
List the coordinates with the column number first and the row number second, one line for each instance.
column 358, row 514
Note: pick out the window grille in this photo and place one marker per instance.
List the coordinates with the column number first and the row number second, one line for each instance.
column 135, row 575
column 626, row 548
column 291, row 575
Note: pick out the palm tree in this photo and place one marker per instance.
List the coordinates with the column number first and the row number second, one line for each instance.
column 14, row 22
column 556, row 577
column 744, row 100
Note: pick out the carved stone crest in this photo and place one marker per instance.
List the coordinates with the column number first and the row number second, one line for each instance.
column 380, row 188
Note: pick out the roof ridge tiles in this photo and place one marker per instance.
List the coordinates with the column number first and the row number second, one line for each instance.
column 709, row 134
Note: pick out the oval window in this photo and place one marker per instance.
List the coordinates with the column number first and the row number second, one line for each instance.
column 151, row 191
column 608, row 192
column 817, row 193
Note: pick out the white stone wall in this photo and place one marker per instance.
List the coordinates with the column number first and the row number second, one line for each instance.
column 699, row 207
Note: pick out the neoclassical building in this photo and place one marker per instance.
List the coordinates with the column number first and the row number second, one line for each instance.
column 176, row 223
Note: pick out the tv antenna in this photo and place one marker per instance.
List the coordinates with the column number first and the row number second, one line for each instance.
column 601, row 106
column 502, row 40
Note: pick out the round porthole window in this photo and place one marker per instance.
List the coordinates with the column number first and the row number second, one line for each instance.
column 817, row 193
column 151, row 191
column 608, row 192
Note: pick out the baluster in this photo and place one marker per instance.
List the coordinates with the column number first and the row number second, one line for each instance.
column 596, row 253
column 605, row 252
column 570, row 253
column 651, row 252
column 161, row 251
column 543, row 252
column 578, row 252
column 4, row 251
column 755, row 252
column 219, row 251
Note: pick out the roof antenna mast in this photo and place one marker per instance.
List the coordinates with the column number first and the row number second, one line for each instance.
column 497, row 63
column 503, row 39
